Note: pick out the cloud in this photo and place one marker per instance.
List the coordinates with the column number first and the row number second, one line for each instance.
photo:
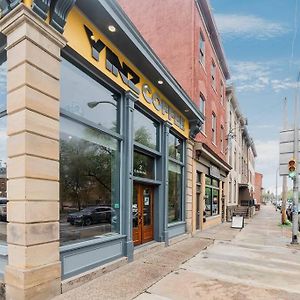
column 249, row 75
column 248, row 26
column 267, row 161
column 279, row 85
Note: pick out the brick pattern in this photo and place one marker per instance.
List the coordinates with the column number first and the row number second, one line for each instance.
column 33, row 58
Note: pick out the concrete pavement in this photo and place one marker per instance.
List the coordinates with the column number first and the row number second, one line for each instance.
column 220, row 263
column 259, row 263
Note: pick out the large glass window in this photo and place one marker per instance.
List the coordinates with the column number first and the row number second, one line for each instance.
column 211, row 196
column 175, row 192
column 175, row 178
column 202, row 48
column 175, row 147
column 3, row 145
column 83, row 96
column 145, row 130
column 89, row 163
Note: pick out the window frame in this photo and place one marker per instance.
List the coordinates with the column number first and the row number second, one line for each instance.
column 214, row 129
column 213, row 74
column 202, row 101
column 202, row 48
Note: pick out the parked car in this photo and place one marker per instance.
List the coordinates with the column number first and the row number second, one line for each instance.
column 3, row 209
column 91, row 215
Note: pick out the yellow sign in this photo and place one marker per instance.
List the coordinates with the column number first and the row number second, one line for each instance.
column 85, row 39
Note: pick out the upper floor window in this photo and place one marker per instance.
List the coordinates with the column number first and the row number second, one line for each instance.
column 213, row 128
column 202, row 48
column 202, row 110
column 213, row 74
column 222, row 138
column 222, row 92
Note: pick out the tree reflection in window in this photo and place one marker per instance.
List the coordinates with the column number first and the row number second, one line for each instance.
column 88, row 178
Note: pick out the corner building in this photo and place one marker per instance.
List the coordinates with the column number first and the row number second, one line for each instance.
column 98, row 137
column 185, row 37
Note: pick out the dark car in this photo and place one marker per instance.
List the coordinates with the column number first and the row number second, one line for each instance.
column 91, row 215
column 3, row 209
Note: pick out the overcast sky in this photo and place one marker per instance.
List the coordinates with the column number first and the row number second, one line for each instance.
column 261, row 39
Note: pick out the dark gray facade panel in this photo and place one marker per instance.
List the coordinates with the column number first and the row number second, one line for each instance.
column 176, row 229
column 75, row 261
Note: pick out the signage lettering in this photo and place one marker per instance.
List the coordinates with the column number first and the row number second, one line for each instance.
column 112, row 62
column 160, row 105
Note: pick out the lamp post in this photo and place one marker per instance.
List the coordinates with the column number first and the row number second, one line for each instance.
column 93, row 104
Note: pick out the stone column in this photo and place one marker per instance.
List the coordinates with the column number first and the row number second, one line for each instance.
column 130, row 99
column 189, row 212
column 33, row 92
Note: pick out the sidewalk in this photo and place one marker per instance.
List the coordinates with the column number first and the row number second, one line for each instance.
column 134, row 278
column 259, row 263
column 220, row 263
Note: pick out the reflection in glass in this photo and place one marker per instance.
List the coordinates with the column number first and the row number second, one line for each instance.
column 147, row 207
column 215, row 202
column 89, row 182
column 208, row 198
column 207, row 180
column 145, row 130
column 143, row 165
column 175, row 147
column 83, row 96
column 135, row 212
column 3, row 179
column 175, row 192
column 3, row 79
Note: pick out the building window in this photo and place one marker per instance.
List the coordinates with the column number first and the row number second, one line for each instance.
column 222, row 92
column 212, row 192
column 146, row 130
column 202, row 48
column 175, row 179
column 222, row 139
column 202, row 110
column 89, row 158
column 3, row 145
column 213, row 74
column 213, row 128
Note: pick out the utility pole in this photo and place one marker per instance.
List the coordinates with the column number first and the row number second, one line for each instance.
column 284, row 178
column 296, row 178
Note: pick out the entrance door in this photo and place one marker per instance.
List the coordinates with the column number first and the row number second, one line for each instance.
column 142, row 213
column 198, row 211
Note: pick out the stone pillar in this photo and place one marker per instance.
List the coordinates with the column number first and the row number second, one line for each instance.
column 189, row 211
column 165, row 171
column 33, row 91
column 130, row 99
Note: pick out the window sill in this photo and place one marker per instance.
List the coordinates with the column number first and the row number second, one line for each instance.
column 214, row 89
column 176, row 224
column 93, row 241
column 203, row 133
column 202, row 65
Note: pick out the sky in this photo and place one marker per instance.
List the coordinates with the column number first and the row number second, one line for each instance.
column 261, row 39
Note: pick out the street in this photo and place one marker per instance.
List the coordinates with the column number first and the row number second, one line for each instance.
column 255, row 263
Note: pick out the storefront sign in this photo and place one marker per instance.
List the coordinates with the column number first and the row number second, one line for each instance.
column 85, row 39
column 214, row 172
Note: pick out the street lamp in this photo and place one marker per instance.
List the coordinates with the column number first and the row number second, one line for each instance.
column 93, row 104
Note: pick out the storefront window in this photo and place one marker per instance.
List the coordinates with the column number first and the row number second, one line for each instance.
column 143, row 165
column 89, row 158
column 83, row 96
column 211, row 196
column 175, row 192
column 89, row 182
column 3, row 145
column 145, row 130
column 175, row 147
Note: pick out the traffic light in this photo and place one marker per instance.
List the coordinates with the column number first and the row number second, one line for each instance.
column 292, row 168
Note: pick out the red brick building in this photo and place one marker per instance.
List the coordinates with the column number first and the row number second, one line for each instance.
column 184, row 36
column 258, row 187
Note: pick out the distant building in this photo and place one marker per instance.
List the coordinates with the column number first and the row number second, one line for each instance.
column 184, row 36
column 258, row 187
